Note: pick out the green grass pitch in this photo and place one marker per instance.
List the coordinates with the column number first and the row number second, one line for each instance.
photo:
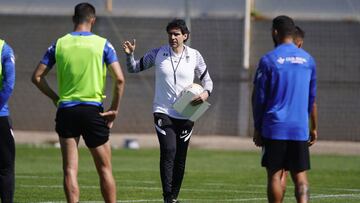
column 211, row 176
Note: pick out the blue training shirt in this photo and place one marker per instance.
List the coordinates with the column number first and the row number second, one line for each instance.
column 8, row 82
column 109, row 57
column 284, row 93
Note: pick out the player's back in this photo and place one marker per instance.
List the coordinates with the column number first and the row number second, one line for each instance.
column 286, row 113
column 80, row 68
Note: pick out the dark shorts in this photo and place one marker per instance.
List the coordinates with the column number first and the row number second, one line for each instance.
column 286, row 154
column 7, row 146
column 7, row 160
column 83, row 120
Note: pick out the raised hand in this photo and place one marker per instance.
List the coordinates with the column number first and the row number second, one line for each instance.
column 129, row 47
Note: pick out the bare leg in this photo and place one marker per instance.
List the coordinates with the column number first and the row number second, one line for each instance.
column 274, row 187
column 69, row 150
column 301, row 186
column 283, row 178
column 102, row 159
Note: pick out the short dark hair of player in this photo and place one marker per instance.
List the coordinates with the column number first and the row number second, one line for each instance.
column 299, row 33
column 284, row 25
column 178, row 24
column 83, row 13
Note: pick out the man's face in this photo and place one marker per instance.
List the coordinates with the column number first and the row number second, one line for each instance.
column 176, row 38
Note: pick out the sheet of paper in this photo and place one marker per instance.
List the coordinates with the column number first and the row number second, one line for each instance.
column 184, row 107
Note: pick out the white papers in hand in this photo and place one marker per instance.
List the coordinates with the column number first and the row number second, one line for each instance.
column 185, row 108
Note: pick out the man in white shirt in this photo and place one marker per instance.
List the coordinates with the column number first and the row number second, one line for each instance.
column 176, row 66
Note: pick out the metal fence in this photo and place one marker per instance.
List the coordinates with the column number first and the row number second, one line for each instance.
column 334, row 44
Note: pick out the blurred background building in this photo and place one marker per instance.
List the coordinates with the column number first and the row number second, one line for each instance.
column 217, row 30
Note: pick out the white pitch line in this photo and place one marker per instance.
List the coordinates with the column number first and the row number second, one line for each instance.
column 257, row 198
column 219, row 184
column 57, row 186
column 318, row 188
column 118, row 201
column 344, row 189
column 188, row 189
column 221, row 191
column 312, row 196
column 209, row 183
column 152, row 188
column 137, row 181
column 227, row 200
column 321, row 196
column 37, row 177
column 60, row 177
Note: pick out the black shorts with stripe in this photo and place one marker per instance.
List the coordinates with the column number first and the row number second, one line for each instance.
column 83, row 120
column 286, row 154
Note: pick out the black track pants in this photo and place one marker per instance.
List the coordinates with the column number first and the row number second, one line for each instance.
column 174, row 136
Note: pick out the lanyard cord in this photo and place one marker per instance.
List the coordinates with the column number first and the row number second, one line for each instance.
column 172, row 64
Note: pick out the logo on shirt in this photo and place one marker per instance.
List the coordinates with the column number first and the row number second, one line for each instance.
column 165, row 54
column 280, row 60
column 291, row 59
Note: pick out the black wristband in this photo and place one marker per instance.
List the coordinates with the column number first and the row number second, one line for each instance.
column 208, row 91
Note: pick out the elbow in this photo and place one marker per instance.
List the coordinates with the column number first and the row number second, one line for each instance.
column 35, row 79
column 120, row 81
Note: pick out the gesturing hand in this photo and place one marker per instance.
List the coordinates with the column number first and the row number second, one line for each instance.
column 109, row 116
column 129, row 47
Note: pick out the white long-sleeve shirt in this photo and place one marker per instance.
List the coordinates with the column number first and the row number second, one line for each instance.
column 173, row 73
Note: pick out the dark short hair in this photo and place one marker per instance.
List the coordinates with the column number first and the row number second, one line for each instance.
column 299, row 33
column 83, row 12
column 284, row 25
column 178, row 24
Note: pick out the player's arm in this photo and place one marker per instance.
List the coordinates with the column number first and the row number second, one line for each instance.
column 202, row 73
column 38, row 78
column 8, row 69
column 313, row 124
column 259, row 98
column 312, row 106
column 44, row 67
column 118, row 90
column 145, row 62
column 110, row 58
